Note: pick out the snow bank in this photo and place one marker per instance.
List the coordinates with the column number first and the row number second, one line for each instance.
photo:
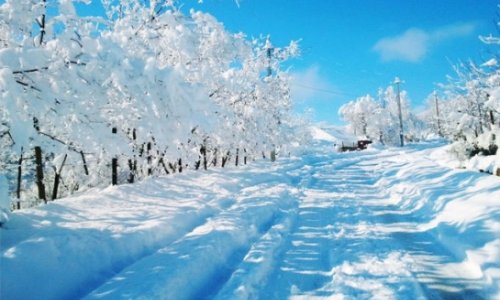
column 4, row 200
column 214, row 246
column 96, row 235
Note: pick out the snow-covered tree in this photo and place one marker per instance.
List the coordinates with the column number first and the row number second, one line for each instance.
column 379, row 120
column 146, row 86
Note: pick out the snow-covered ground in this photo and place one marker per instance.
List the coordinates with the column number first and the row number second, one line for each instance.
column 378, row 224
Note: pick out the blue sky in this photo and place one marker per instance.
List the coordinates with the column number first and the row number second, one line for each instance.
column 352, row 47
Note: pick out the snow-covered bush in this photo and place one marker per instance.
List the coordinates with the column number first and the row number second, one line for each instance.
column 469, row 112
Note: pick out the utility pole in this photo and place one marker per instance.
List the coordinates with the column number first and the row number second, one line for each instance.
column 269, row 53
column 440, row 133
column 382, row 108
column 480, row 113
column 397, row 82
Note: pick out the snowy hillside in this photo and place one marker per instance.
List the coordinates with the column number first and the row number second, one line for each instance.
column 332, row 134
column 385, row 224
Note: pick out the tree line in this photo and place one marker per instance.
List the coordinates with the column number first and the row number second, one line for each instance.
column 465, row 110
column 142, row 89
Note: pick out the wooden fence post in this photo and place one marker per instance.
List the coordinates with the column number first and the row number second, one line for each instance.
column 39, row 174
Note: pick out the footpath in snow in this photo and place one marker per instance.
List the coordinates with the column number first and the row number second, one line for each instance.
column 377, row 224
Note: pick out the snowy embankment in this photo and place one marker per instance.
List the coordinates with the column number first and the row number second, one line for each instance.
column 386, row 223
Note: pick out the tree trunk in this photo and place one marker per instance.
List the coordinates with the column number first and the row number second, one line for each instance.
column 114, row 164
column 39, row 174
column 85, row 168
column 42, row 23
column 237, row 158
column 162, row 162
column 114, row 171
column 150, row 159
column 131, row 175
column 180, row 165
column 225, row 159
column 19, row 178
column 214, row 160
column 204, row 154
column 57, row 178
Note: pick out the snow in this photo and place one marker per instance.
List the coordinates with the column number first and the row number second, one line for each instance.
column 388, row 223
column 490, row 63
column 332, row 134
column 4, row 200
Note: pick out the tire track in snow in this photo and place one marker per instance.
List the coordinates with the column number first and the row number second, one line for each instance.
column 260, row 262
column 332, row 226
column 218, row 246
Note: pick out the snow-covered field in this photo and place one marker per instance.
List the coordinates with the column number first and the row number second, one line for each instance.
column 378, row 224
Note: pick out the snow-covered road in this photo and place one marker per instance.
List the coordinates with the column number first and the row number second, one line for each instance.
column 378, row 224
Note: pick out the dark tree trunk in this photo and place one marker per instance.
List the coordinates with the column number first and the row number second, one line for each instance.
column 85, row 168
column 114, row 171
column 162, row 162
column 225, row 158
column 237, row 158
column 131, row 175
column 150, row 160
column 57, row 178
column 42, row 23
column 214, row 160
column 19, row 178
column 39, row 174
column 180, row 165
column 173, row 167
column 203, row 151
column 114, row 164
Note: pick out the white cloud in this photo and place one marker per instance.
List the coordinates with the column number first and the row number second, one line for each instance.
column 309, row 84
column 413, row 44
column 453, row 31
column 410, row 46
